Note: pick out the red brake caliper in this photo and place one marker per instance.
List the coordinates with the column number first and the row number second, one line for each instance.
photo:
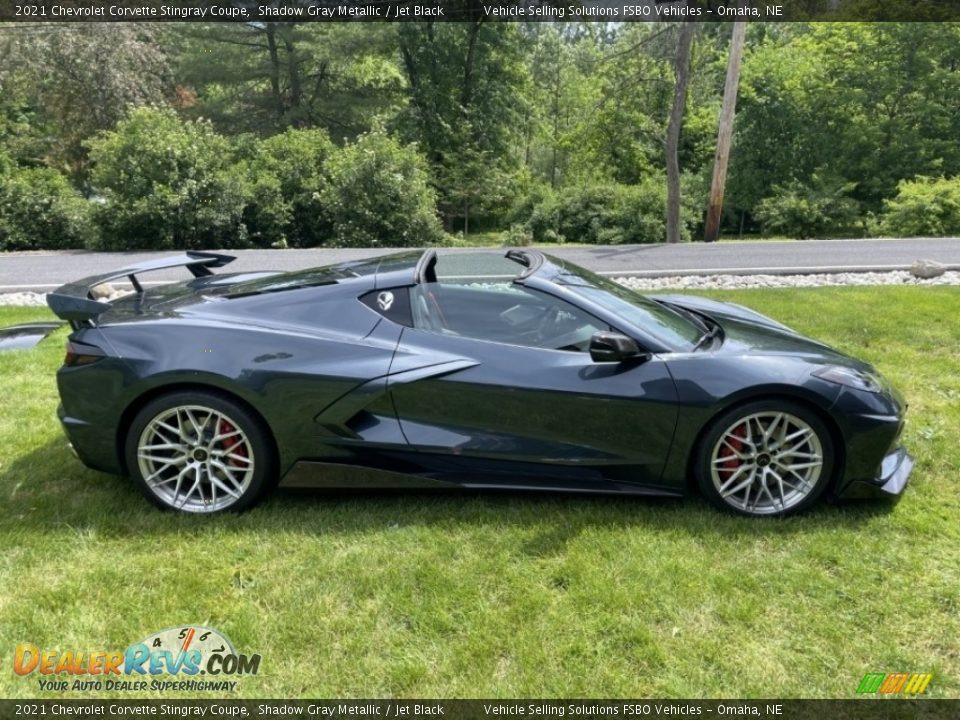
column 231, row 444
column 731, row 465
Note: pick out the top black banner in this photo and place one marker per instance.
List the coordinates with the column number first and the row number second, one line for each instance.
column 501, row 709
column 477, row 10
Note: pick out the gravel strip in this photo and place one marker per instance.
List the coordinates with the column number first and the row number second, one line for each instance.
column 693, row 282
column 27, row 299
column 23, row 299
column 743, row 282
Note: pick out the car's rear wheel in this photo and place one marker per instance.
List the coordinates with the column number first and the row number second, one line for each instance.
column 770, row 457
column 199, row 452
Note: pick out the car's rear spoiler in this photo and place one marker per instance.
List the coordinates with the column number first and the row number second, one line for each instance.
column 74, row 301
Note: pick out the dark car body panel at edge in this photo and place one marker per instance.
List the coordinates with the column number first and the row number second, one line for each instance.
column 356, row 392
column 20, row 337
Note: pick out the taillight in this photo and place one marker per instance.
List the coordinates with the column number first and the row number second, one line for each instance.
column 81, row 354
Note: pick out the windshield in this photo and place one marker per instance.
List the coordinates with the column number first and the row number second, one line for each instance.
column 663, row 323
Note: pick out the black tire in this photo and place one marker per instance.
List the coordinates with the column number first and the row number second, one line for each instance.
column 770, row 468
column 228, row 464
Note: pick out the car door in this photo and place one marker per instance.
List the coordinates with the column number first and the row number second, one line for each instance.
column 481, row 384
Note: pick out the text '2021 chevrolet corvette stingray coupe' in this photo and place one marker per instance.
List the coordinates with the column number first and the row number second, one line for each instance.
column 477, row 370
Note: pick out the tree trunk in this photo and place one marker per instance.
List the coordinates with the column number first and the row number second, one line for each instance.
column 274, row 69
column 466, row 90
column 293, row 68
column 725, row 133
column 682, row 73
column 555, row 111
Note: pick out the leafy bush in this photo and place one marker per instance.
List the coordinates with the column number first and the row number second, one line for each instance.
column 377, row 193
column 808, row 211
column 608, row 214
column 530, row 195
column 517, row 236
column 287, row 175
column 40, row 209
column 267, row 217
column 266, row 214
column 167, row 183
column 923, row 206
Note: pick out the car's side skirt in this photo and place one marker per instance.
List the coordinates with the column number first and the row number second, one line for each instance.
column 332, row 475
column 314, row 474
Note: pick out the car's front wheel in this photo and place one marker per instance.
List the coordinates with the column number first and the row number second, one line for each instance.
column 199, row 452
column 770, row 457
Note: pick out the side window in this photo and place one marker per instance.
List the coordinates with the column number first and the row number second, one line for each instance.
column 503, row 312
column 392, row 303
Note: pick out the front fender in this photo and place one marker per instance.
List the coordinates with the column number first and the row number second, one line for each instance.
column 708, row 385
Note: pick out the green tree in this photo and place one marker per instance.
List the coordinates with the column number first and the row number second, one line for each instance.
column 619, row 132
column 622, row 136
column 869, row 104
column 264, row 77
column 564, row 95
column 466, row 85
column 75, row 79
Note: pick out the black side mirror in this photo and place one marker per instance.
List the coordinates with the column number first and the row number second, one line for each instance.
column 613, row 347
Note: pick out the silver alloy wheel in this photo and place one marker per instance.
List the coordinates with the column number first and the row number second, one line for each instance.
column 766, row 463
column 195, row 458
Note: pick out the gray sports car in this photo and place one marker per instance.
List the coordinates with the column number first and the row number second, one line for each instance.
column 478, row 370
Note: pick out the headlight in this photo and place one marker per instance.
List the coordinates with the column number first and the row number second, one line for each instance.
column 857, row 379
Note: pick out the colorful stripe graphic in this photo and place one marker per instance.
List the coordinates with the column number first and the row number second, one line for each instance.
column 894, row 683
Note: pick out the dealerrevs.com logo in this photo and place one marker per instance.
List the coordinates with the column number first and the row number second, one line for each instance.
column 172, row 659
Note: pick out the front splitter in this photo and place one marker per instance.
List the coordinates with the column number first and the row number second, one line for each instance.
column 890, row 482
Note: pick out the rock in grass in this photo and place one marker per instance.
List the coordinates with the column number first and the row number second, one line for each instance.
column 927, row 269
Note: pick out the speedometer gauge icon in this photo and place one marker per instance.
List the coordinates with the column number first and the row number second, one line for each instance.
column 188, row 638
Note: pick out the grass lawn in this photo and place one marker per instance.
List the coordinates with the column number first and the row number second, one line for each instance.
column 511, row 595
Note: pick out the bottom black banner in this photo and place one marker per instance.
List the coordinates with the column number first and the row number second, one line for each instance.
column 860, row 709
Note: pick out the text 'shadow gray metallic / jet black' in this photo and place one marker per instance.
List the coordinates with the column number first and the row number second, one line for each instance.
column 478, row 370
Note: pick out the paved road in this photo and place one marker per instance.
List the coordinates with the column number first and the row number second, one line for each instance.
column 42, row 271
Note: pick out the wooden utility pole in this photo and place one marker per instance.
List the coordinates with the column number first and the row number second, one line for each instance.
column 725, row 132
column 682, row 71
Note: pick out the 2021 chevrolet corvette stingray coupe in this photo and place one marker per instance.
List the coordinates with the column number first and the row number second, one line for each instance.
column 476, row 370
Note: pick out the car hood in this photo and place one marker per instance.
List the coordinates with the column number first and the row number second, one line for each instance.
column 747, row 332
